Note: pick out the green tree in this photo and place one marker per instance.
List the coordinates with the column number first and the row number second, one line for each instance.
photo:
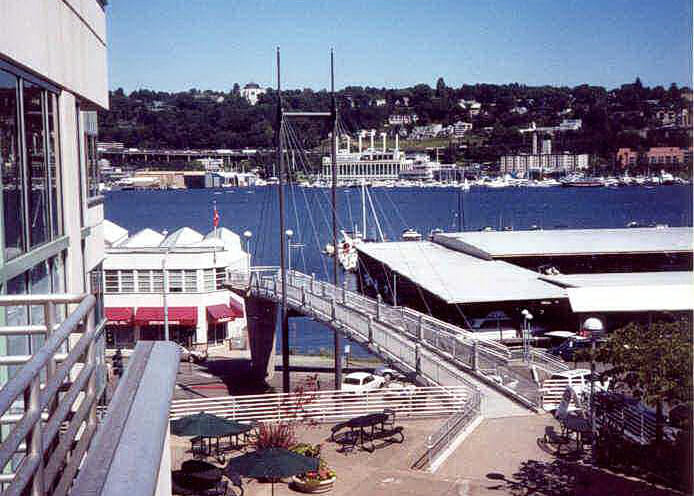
column 654, row 362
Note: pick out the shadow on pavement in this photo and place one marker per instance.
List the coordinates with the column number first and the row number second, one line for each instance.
column 562, row 478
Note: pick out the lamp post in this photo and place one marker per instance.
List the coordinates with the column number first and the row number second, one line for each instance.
column 164, row 290
column 527, row 317
column 594, row 326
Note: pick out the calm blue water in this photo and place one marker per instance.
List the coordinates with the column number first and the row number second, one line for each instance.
column 309, row 216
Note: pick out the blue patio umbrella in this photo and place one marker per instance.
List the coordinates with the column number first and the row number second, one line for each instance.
column 271, row 463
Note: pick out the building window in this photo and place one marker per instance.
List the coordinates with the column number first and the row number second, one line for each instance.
column 54, row 177
column 97, row 289
column 216, row 333
column 191, row 281
column 34, row 148
column 144, row 281
column 157, row 281
column 209, row 281
column 111, row 281
column 12, row 180
column 175, row 281
column 127, row 281
column 220, row 277
column 90, row 131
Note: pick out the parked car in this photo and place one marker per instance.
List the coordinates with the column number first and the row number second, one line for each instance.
column 571, row 349
column 388, row 374
column 360, row 382
column 194, row 356
column 496, row 325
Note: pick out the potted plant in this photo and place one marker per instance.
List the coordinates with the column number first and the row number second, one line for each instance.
column 319, row 481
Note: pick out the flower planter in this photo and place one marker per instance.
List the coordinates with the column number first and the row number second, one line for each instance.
column 312, row 485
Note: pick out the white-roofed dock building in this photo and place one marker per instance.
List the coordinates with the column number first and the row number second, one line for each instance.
column 192, row 267
column 560, row 276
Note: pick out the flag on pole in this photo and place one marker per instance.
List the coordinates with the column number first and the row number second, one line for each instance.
column 215, row 216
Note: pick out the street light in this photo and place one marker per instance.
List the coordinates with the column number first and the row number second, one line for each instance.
column 527, row 317
column 289, row 233
column 164, row 289
column 594, row 326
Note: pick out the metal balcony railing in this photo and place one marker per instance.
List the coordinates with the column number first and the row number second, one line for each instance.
column 49, row 407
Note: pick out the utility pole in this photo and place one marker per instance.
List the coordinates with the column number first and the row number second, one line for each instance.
column 337, row 341
column 284, row 315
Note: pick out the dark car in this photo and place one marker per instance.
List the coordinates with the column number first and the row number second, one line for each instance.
column 573, row 349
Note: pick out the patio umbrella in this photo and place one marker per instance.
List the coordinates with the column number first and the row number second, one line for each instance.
column 271, row 463
column 203, row 425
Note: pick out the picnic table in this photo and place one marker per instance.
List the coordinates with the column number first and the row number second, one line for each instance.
column 233, row 430
column 365, row 428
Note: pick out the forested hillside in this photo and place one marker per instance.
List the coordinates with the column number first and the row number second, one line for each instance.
column 626, row 116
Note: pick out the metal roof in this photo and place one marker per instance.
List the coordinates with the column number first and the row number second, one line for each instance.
column 459, row 278
column 623, row 279
column 498, row 244
column 667, row 297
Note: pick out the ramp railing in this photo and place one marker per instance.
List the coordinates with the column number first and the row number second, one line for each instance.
column 48, row 407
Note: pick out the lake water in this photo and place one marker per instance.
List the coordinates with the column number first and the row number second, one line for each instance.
column 423, row 209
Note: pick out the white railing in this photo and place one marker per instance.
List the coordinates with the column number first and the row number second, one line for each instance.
column 547, row 362
column 634, row 420
column 49, row 406
column 439, row 440
column 397, row 331
column 330, row 406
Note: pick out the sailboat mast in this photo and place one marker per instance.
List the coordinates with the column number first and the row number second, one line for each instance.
column 363, row 209
column 283, row 241
column 333, row 155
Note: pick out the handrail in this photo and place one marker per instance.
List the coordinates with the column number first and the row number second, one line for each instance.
column 439, row 440
column 45, row 466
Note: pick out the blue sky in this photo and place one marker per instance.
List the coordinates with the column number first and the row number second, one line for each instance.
column 175, row 45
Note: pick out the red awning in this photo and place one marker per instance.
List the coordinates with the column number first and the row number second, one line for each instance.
column 119, row 316
column 185, row 316
column 220, row 313
column 237, row 308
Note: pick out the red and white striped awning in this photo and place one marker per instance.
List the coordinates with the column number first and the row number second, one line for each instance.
column 184, row 316
column 220, row 313
column 119, row 316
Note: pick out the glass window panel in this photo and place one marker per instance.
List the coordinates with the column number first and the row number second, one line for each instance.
column 14, row 316
column 221, row 277
column 12, row 198
column 53, row 166
column 96, row 288
column 191, row 281
column 40, row 283
column 175, row 281
column 157, row 281
column 111, row 277
column 144, row 281
column 58, row 284
column 36, row 163
column 209, row 280
column 127, row 281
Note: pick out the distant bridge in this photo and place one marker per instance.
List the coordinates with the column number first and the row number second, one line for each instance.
column 437, row 352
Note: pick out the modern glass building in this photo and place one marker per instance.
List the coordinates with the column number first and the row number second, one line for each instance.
column 52, row 81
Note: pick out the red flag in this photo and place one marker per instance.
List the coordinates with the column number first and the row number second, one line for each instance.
column 215, row 217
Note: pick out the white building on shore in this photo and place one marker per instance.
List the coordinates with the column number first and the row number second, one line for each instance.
column 183, row 272
column 367, row 163
column 522, row 163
